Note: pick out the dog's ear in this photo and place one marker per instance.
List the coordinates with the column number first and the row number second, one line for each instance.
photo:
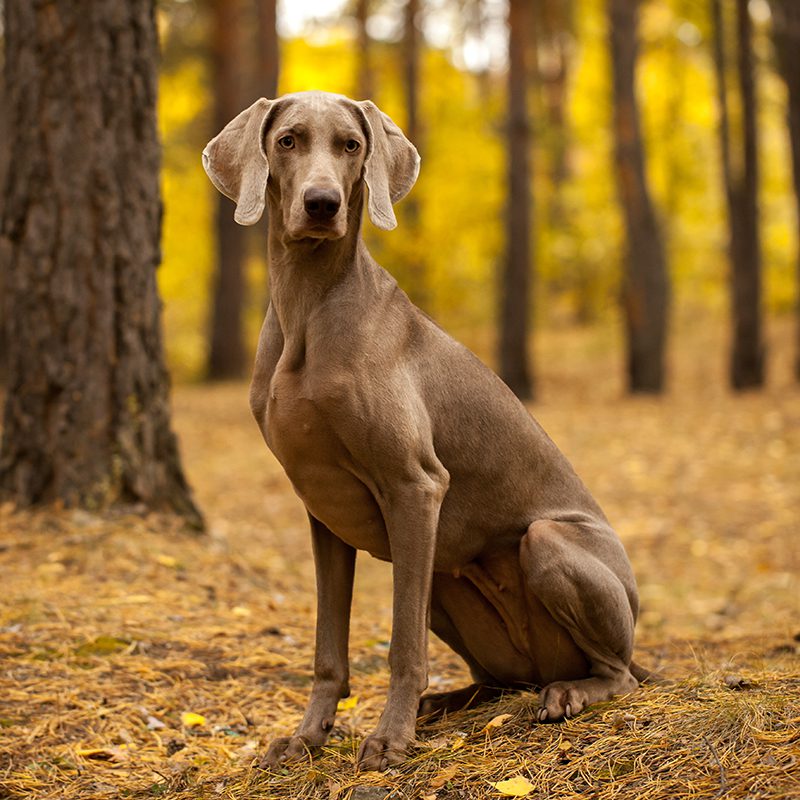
column 236, row 161
column 391, row 166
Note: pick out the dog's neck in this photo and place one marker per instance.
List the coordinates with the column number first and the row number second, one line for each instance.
column 303, row 271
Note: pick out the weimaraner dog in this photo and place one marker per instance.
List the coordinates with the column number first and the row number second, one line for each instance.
column 401, row 443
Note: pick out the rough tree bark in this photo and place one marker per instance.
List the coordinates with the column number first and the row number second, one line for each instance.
column 87, row 414
column 645, row 288
column 786, row 33
column 227, row 355
column 739, row 149
column 517, row 267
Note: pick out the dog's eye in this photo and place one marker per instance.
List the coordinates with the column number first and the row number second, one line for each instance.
column 351, row 145
column 286, row 142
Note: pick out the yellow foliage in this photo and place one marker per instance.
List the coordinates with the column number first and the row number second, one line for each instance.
column 451, row 258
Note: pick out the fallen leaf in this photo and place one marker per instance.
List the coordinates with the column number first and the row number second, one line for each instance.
column 191, row 720
column 102, row 646
column 348, row 703
column 167, row 561
column 116, row 754
column 565, row 744
column 514, row 787
column 497, row 722
column 444, row 776
column 458, row 743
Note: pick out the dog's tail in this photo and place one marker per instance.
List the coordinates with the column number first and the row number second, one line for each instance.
column 645, row 675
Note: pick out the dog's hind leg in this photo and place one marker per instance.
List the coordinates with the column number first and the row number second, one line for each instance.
column 578, row 575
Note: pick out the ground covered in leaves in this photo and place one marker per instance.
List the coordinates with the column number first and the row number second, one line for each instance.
column 139, row 660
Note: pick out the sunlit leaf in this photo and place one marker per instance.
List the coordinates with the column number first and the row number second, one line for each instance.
column 347, row 703
column 514, row 787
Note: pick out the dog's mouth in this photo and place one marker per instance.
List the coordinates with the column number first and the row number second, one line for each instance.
column 314, row 229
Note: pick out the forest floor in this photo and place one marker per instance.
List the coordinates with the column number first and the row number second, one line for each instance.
column 139, row 660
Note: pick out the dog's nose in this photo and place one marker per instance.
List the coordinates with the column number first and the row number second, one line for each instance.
column 322, row 204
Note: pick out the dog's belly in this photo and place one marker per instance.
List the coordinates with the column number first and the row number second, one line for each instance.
column 317, row 465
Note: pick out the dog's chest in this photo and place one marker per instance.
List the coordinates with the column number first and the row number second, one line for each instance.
column 299, row 432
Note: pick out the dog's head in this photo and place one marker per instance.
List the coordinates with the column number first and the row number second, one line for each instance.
column 312, row 149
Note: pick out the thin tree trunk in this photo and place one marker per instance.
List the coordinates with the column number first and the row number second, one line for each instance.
column 87, row 414
column 515, row 287
column 417, row 277
column 645, row 284
column 364, row 83
column 786, row 32
column 740, row 173
column 226, row 353
column 554, row 28
column 267, row 49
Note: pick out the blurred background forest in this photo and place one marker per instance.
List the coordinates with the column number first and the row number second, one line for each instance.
column 439, row 68
column 607, row 204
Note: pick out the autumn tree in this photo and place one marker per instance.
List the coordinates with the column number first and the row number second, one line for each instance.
column 364, row 84
column 786, row 34
column 227, row 354
column 517, row 266
column 417, row 282
column 87, row 419
column 739, row 149
column 267, row 60
column 645, row 289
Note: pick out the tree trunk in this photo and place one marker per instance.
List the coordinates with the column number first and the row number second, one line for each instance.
column 226, row 353
column 4, row 153
column 740, row 173
column 786, row 32
column 554, row 28
column 645, row 284
column 515, row 288
column 87, row 414
column 364, row 83
column 267, row 49
column 417, row 278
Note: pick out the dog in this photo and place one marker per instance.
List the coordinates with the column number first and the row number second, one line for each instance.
column 402, row 443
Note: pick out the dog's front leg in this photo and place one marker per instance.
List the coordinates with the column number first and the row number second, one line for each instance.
column 412, row 516
column 335, row 564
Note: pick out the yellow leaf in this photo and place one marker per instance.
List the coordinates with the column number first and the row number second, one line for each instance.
column 564, row 744
column 497, row 722
column 241, row 611
column 102, row 753
column 458, row 743
column 167, row 561
column 514, row 787
column 347, row 703
column 192, row 720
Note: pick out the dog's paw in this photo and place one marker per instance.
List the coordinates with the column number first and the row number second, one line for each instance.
column 377, row 753
column 561, row 700
column 284, row 749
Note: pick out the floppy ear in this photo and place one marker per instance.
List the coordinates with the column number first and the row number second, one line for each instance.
column 236, row 161
column 391, row 166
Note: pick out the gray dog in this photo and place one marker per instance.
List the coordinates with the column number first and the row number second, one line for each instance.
column 401, row 443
